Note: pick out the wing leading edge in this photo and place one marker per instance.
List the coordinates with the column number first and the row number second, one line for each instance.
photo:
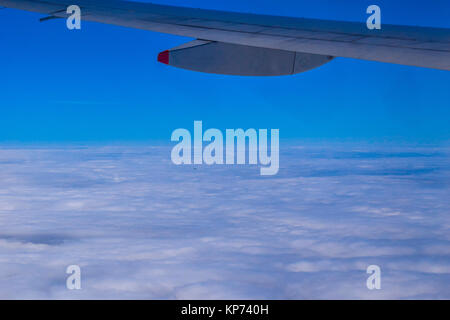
column 260, row 40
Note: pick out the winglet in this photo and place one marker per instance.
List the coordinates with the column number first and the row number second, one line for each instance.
column 163, row 57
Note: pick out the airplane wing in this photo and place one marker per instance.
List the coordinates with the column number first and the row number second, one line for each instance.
column 259, row 45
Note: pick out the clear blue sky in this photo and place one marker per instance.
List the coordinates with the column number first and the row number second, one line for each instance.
column 103, row 84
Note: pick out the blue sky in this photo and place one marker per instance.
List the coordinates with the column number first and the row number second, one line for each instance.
column 102, row 84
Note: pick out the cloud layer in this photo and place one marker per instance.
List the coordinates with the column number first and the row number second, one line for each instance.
column 141, row 227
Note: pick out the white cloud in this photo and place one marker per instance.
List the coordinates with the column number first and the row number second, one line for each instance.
column 141, row 227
